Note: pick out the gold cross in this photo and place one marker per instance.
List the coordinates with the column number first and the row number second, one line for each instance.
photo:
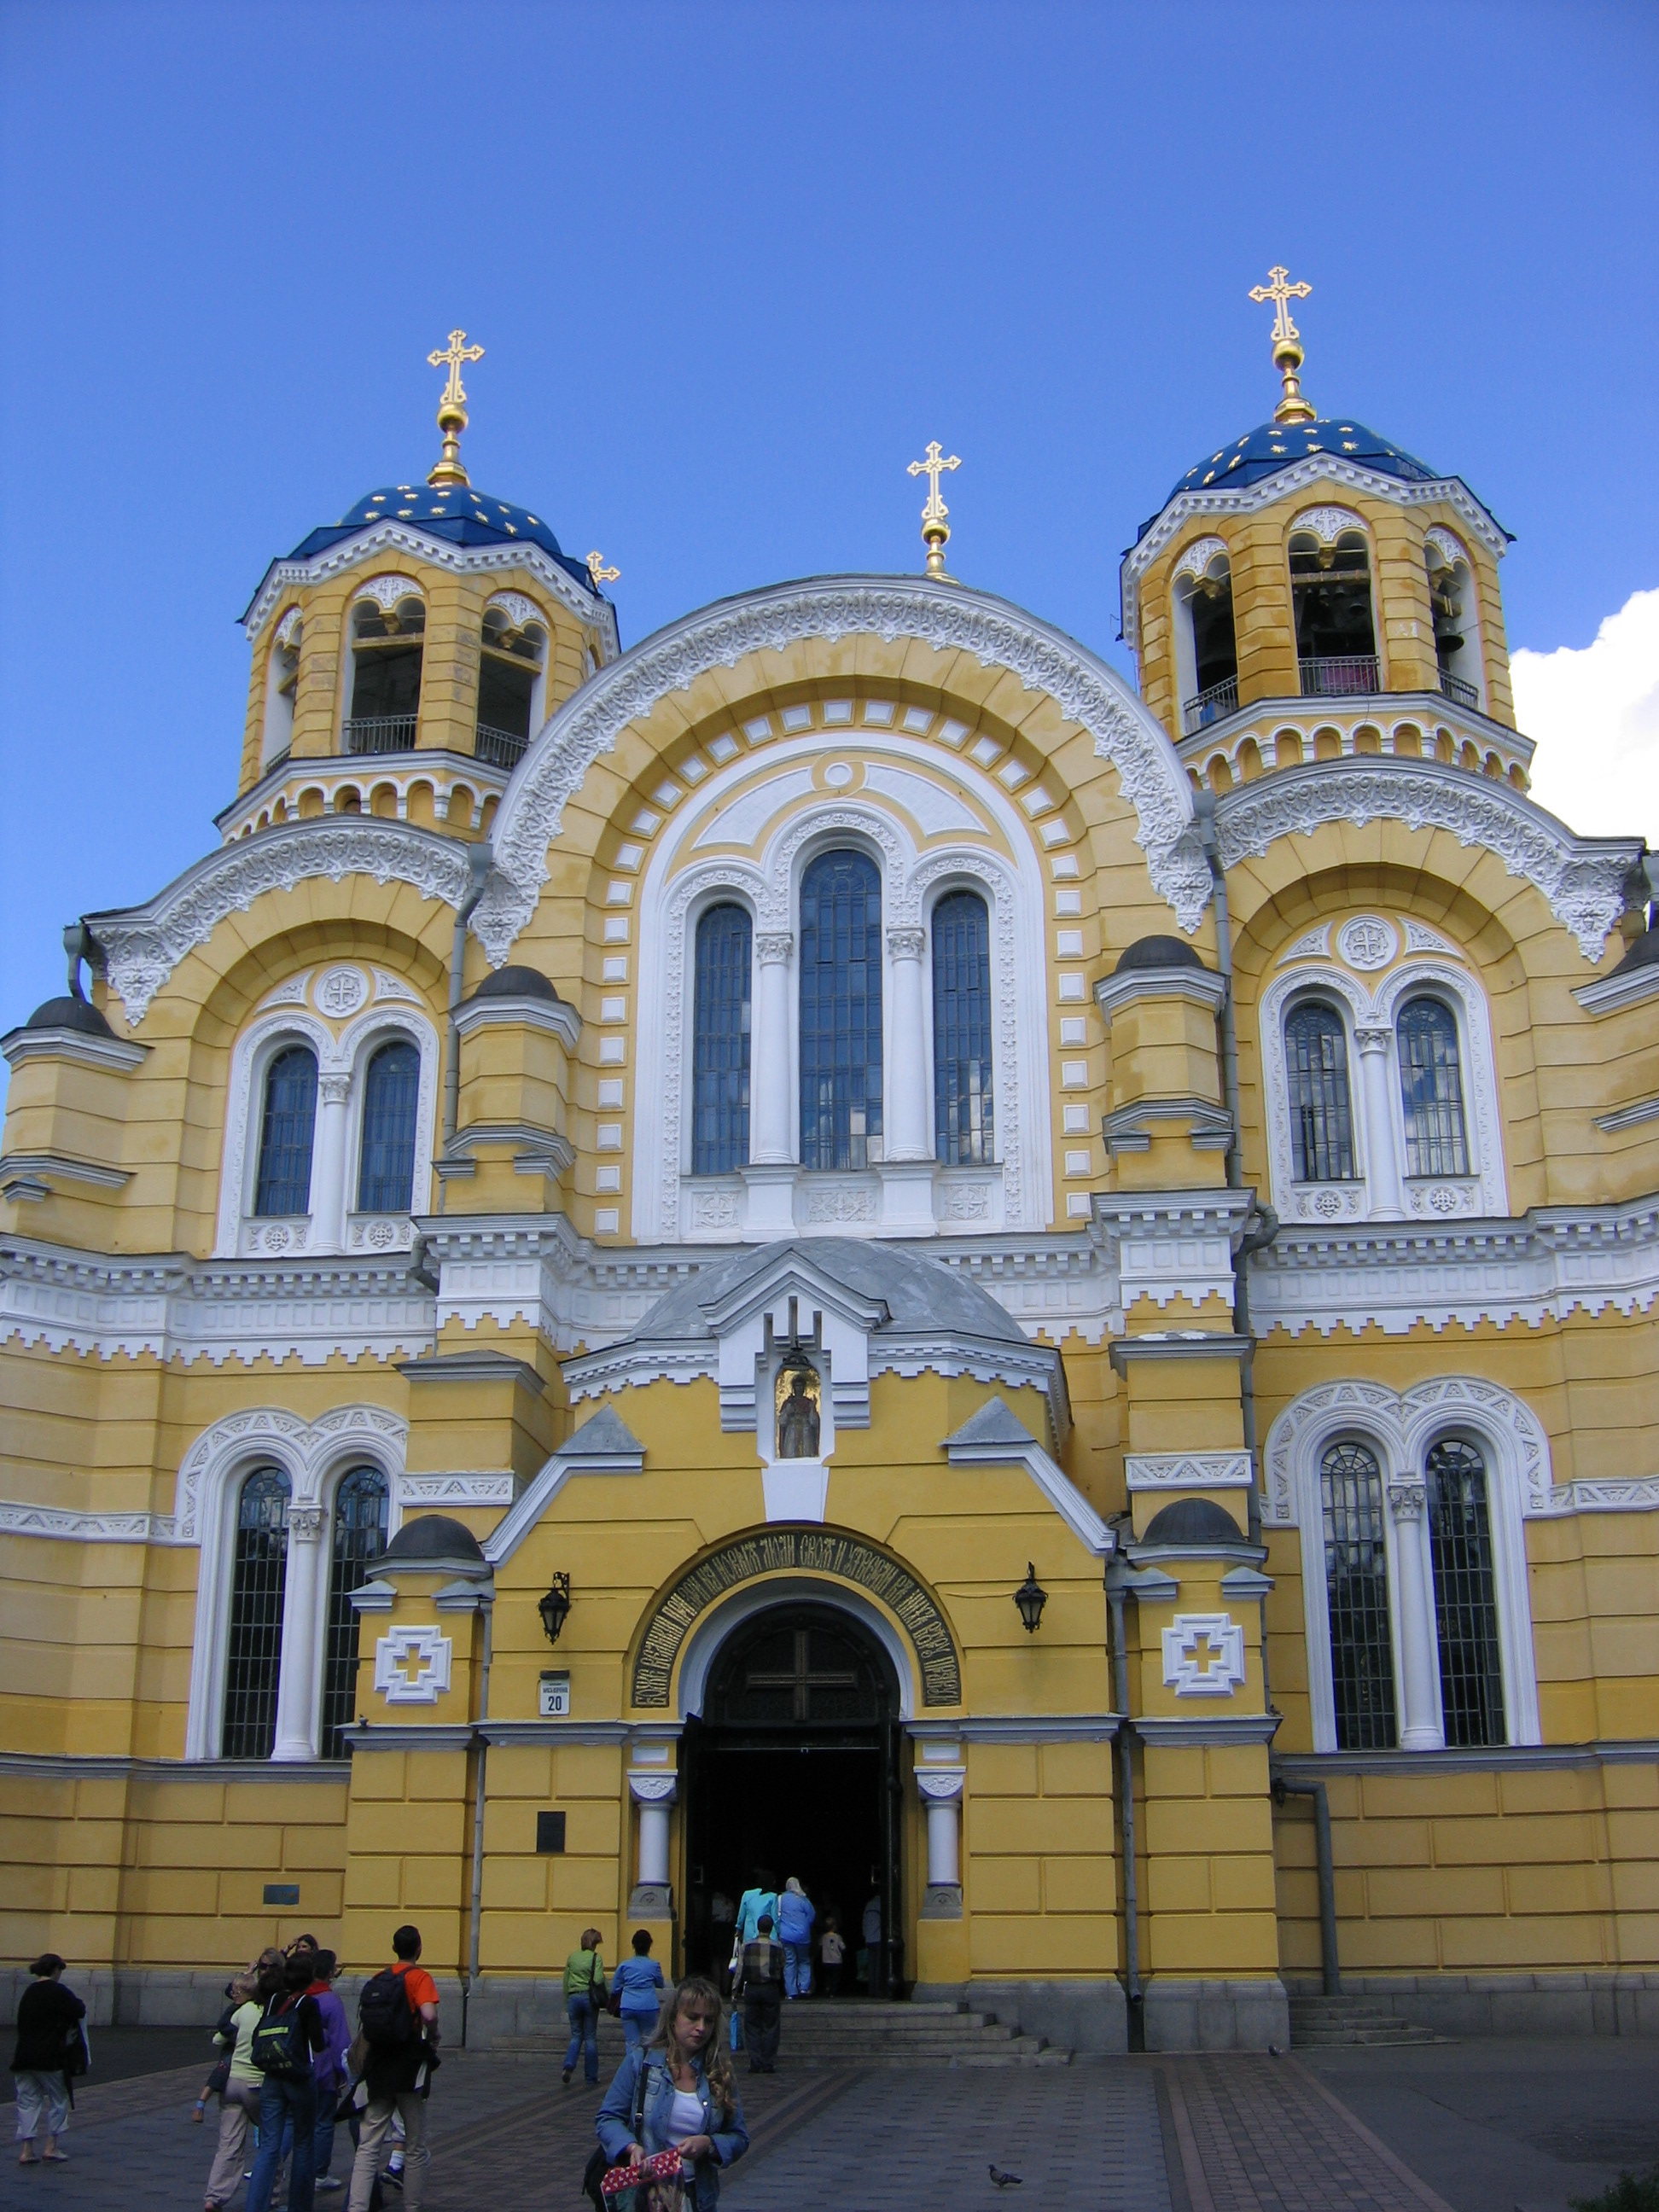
column 1287, row 343
column 935, row 530
column 598, row 572
column 457, row 351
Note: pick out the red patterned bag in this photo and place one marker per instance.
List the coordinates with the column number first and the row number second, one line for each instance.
column 656, row 2185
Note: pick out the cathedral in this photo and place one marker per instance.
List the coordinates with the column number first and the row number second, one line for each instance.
column 838, row 1241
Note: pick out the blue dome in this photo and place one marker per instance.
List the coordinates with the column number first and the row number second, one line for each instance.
column 1261, row 452
column 456, row 511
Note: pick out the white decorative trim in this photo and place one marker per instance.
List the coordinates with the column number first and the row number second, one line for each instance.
column 713, row 1628
column 389, row 592
column 20, row 1520
column 142, row 945
column 1628, row 1117
column 1450, row 550
column 1406, row 725
column 519, row 610
column 1011, row 1447
column 1222, row 1470
column 451, row 1490
column 1581, row 879
column 1399, row 1428
column 948, row 618
column 1284, row 484
column 1315, row 946
column 1327, row 523
column 111, row 1054
column 376, row 540
column 1225, row 1672
column 1201, row 985
column 289, row 629
column 1608, row 995
column 563, row 1020
column 1368, row 943
column 429, row 1647
column 1195, row 560
column 1173, row 1244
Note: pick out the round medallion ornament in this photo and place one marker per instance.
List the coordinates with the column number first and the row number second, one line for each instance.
column 381, row 1233
column 1368, row 942
column 838, row 775
column 341, row 991
column 1445, row 1200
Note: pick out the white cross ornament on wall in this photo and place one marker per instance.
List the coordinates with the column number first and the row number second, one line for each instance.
column 411, row 1666
column 1204, row 1655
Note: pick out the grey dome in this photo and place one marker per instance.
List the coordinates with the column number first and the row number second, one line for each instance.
column 1193, row 1521
column 511, row 982
column 434, row 1536
column 69, row 1013
column 1157, row 952
column 918, row 1294
column 1645, row 953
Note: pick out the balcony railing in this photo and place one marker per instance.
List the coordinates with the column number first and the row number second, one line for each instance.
column 1331, row 674
column 379, row 733
column 1460, row 694
column 500, row 747
column 1213, row 705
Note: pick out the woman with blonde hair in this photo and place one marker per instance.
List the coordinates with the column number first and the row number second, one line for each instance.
column 676, row 2093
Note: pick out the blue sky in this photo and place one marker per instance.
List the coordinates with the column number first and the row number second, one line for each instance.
column 733, row 267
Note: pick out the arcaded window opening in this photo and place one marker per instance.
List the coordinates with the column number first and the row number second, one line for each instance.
column 840, row 1043
column 386, row 648
column 723, row 1012
column 1335, row 634
column 1465, row 1594
column 1357, row 1597
column 286, row 1131
column 510, row 675
column 254, row 1638
column 965, row 1084
column 1321, row 1110
column 362, row 1505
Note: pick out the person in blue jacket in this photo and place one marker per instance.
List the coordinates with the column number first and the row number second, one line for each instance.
column 639, row 1980
column 796, row 1913
column 690, row 2102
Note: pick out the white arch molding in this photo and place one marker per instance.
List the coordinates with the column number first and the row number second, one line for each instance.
column 712, row 1630
column 314, row 1456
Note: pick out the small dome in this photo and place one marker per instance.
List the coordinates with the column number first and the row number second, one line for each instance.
column 69, row 1013
column 514, row 982
column 1645, row 953
column 1193, row 1521
column 1157, row 952
column 455, row 512
column 1274, row 445
column 434, row 1536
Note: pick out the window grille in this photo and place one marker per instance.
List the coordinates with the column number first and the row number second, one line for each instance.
column 1465, row 1595
column 1432, row 1086
column 254, row 1645
column 1322, row 1119
column 284, row 1179
column 1357, row 1591
column 360, row 1518
column 963, row 1095
column 840, row 1012
column 720, row 1046
column 386, row 1178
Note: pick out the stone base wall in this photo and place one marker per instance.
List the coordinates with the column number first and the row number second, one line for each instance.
column 1091, row 2017
column 1510, row 2004
column 1216, row 2015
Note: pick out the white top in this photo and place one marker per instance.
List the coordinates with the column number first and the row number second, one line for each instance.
column 686, row 2116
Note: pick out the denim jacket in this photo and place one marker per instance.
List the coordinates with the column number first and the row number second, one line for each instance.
column 615, row 2130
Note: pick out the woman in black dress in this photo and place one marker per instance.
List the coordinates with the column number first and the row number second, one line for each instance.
column 50, row 2050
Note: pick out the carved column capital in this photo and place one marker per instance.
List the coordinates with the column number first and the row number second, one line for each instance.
column 333, row 1089
column 941, row 1785
column 1407, row 1501
column 773, row 947
column 652, row 1788
column 1372, row 1037
column 305, row 1524
column 906, row 944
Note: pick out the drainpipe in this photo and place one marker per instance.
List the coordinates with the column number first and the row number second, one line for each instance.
column 489, row 1607
column 1321, row 1807
column 477, row 865
column 1127, row 1789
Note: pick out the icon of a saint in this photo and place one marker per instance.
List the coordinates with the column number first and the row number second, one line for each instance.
column 798, row 1414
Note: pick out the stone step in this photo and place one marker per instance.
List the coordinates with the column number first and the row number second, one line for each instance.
column 862, row 2032
column 1331, row 2021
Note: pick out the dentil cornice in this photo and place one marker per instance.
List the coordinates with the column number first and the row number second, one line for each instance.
column 142, row 945
column 1583, row 878
column 948, row 616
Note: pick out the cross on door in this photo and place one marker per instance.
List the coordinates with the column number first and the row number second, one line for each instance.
column 802, row 1679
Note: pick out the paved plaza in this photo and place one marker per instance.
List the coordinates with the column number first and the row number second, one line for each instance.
column 1471, row 2126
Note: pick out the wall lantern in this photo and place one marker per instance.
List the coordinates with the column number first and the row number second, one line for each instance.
column 555, row 1608
column 1030, row 1597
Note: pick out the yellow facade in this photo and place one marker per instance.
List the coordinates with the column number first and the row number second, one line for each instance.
column 1273, row 1272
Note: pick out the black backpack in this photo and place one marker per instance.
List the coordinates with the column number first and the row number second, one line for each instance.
column 281, row 2045
column 384, row 2011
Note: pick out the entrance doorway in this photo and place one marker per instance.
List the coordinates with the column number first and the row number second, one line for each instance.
column 794, row 1766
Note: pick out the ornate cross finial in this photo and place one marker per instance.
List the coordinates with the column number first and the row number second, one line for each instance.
column 1287, row 343
column 451, row 408
column 598, row 572
column 935, row 530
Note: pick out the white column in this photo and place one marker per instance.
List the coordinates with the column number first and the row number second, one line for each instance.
column 296, row 1681
column 905, row 1107
column 1421, row 1726
column 771, row 1142
column 1381, row 1165
column 654, row 1793
column 941, row 1790
column 328, row 1164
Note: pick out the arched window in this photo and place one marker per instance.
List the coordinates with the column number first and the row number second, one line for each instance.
column 1331, row 590
column 1316, row 1072
column 840, row 1012
column 1457, row 621
column 1356, row 1595
column 282, row 688
column 387, row 1174
column 1431, row 1090
column 510, row 686
column 1206, row 647
column 1465, row 1595
column 719, row 1047
column 965, row 1133
column 284, row 1180
column 254, row 1646
column 360, row 1518
column 386, row 644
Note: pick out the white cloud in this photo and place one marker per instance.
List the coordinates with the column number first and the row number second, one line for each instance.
column 1595, row 716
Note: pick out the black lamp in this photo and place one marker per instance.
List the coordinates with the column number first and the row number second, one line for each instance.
column 1030, row 1597
column 555, row 1608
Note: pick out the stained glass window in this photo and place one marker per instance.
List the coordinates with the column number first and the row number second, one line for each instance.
column 1431, row 1084
column 284, row 1179
column 386, row 1175
column 1465, row 1595
column 840, row 1012
column 720, row 1043
column 963, row 1098
column 1322, row 1120
column 360, row 1518
column 254, row 1646
column 1357, row 1592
